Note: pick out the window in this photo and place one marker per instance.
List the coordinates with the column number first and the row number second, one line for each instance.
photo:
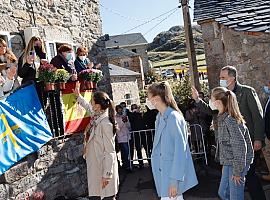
column 126, row 64
column 51, row 50
column 134, row 50
column 128, row 99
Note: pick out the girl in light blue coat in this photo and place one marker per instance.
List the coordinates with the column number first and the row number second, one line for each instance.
column 172, row 163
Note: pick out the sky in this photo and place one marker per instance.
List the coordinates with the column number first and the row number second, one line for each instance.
column 119, row 16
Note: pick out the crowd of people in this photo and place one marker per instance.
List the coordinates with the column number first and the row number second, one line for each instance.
column 239, row 122
column 233, row 111
column 16, row 71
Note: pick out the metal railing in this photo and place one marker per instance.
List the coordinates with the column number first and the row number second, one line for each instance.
column 196, row 142
column 140, row 146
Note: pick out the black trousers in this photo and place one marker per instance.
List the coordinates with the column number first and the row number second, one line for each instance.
column 253, row 182
column 99, row 198
column 139, row 139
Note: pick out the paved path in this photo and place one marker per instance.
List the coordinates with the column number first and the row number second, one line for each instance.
column 139, row 185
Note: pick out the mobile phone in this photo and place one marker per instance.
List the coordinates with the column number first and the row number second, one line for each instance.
column 31, row 53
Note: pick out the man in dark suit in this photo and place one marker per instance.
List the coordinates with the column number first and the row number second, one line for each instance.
column 266, row 149
column 252, row 112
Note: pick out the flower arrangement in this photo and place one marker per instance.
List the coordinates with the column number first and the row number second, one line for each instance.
column 98, row 75
column 47, row 73
column 62, row 75
column 87, row 75
column 90, row 78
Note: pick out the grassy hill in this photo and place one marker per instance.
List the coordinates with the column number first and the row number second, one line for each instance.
column 168, row 49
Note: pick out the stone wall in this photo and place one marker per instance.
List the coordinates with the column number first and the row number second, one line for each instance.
column 76, row 22
column 122, row 86
column 57, row 169
column 247, row 51
column 214, row 51
column 135, row 64
column 250, row 53
column 142, row 51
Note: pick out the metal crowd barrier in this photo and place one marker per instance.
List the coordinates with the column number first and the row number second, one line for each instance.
column 140, row 140
column 196, row 142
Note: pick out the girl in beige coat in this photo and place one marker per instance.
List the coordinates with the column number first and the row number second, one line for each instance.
column 99, row 151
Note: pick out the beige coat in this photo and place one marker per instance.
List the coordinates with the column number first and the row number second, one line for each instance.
column 101, row 157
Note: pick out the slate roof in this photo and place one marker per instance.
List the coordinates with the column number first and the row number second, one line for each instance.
column 125, row 40
column 241, row 15
column 119, row 53
column 120, row 71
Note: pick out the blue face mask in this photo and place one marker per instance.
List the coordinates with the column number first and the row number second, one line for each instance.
column 223, row 83
column 266, row 89
column 69, row 56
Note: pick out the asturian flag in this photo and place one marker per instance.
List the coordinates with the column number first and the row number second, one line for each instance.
column 23, row 126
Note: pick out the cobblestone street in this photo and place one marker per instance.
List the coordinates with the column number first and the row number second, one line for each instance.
column 139, row 186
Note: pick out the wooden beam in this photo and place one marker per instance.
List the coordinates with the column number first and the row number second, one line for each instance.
column 190, row 45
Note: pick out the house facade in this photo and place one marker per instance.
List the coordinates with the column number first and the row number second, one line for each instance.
column 124, row 85
column 127, row 60
column 236, row 33
column 75, row 22
column 134, row 42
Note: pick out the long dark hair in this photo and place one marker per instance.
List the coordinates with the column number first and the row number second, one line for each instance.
column 164, row 91
column 105, row 102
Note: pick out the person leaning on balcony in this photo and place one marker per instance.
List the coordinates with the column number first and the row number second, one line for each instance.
column 8, row 65
column 31, row 59
column 81, row 61
column 64, row 60
column 99, row 146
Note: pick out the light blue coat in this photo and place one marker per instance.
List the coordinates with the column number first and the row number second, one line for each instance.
column 171, row 158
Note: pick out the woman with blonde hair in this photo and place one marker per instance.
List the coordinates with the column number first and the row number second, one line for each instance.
column 235, row 149
column 81, row 61
column 8, row 65
column 31, row 58
column 99, row 146
column 172, row 163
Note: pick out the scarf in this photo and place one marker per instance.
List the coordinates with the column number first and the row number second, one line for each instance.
column 89, row 128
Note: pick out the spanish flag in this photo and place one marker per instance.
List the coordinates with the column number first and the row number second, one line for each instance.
column 75, row 117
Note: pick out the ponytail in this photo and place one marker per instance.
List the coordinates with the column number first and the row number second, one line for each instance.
column 112, row 116
column 233, row 108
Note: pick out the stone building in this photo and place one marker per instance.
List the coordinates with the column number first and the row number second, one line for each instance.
column 75, row 22
column 124, row 85
column 134, row 42
column 128, row 60
column 58, row 168
column 236, row 33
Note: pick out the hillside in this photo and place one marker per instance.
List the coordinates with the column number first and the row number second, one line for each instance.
column 168, row 48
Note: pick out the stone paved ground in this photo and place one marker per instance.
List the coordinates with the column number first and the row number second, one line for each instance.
column 139, row 185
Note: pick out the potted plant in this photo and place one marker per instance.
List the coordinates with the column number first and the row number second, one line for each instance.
column 62, row 77
column 97, row 77
column 87, row 76
column 47, row 75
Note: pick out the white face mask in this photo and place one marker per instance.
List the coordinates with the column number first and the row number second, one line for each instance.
column 149, row 104
column 82, row 58
column 223, row 83
column 212, row 106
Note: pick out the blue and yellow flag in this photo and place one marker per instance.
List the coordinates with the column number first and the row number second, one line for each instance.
column 23, row 126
